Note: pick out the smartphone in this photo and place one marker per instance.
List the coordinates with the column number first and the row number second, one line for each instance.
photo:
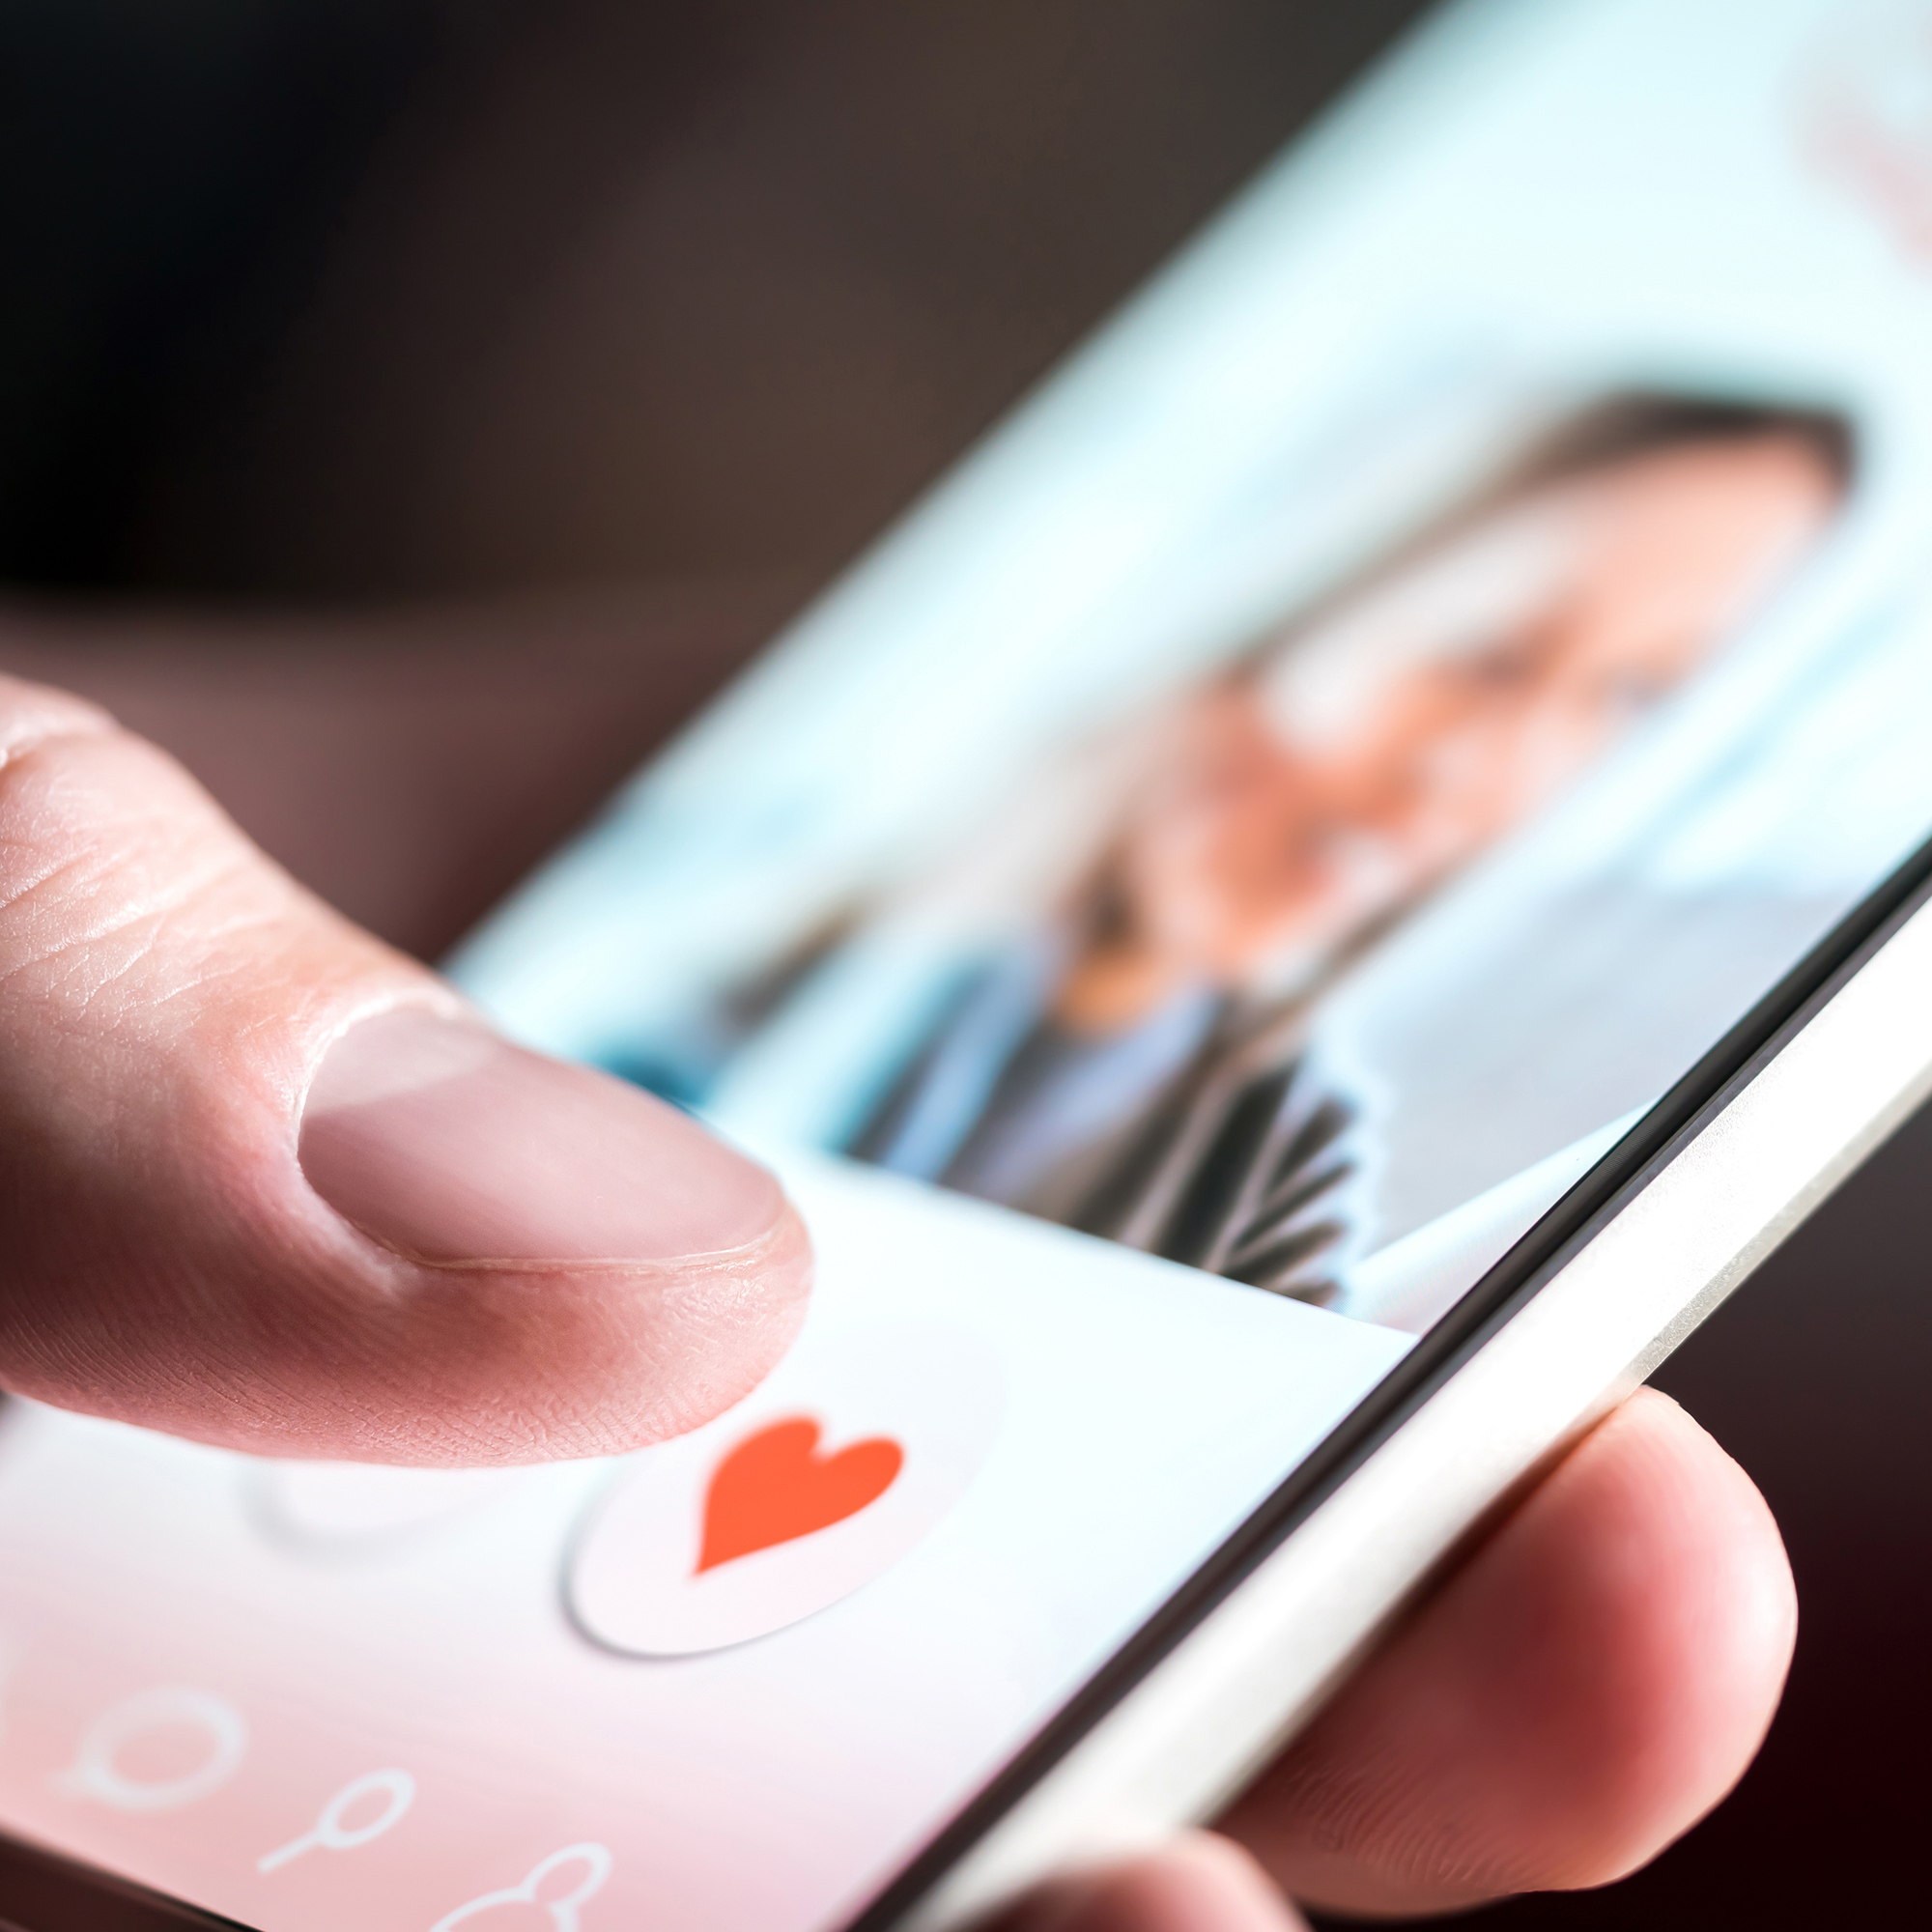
column 1291, row 929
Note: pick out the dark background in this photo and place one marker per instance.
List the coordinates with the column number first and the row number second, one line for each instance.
column 430, row 400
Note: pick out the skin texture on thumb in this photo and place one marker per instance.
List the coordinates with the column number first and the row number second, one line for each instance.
column 267, row 1183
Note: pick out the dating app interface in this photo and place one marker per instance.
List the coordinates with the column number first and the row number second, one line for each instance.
column 729, row 1681
column 1175, row 916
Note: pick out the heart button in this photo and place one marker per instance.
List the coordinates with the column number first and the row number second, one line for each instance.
column 860, row 1444
column 776, row 1486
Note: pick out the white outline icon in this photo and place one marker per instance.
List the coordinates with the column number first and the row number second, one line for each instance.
column 95, row 1774
column 330, row 1834
column 563, row 1911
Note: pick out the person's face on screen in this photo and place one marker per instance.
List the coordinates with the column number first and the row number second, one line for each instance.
column 1360, row 761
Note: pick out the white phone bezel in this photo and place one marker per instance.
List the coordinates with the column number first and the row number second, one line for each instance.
column 1568, row 1323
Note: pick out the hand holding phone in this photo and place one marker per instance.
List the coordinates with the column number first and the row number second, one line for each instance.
column 1599, row 1507
column 1315, row 908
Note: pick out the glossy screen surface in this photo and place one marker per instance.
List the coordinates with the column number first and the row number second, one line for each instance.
column 1175, row 915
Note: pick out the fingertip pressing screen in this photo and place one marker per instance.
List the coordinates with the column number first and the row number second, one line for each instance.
column 1175, row 914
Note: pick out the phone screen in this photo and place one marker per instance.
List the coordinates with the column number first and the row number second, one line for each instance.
column 1176, row 915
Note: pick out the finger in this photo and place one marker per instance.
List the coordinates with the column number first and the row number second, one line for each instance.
column 265, row 1183
column 1199, row 1883
column 1577, row 1696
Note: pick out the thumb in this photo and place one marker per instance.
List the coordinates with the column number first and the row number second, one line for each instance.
column 267, row 1183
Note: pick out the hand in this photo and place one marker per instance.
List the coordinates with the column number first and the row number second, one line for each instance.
column 1590, row 1683
column 1585, row 1687
column 272, row 1185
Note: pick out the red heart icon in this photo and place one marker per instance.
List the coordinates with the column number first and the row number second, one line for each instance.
column 775, row 1486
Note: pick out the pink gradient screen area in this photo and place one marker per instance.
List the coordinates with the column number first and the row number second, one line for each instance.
column 731, row 1681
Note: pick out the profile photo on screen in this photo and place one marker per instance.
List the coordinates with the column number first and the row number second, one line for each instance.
column 1113, row 1033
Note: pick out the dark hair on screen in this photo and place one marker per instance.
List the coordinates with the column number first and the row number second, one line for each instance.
column 1637, row 422
column 1618, row 428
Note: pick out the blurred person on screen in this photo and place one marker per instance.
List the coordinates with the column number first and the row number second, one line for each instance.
column 1120, row 1040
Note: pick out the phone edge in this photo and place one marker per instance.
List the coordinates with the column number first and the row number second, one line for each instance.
column 1585, row 1307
